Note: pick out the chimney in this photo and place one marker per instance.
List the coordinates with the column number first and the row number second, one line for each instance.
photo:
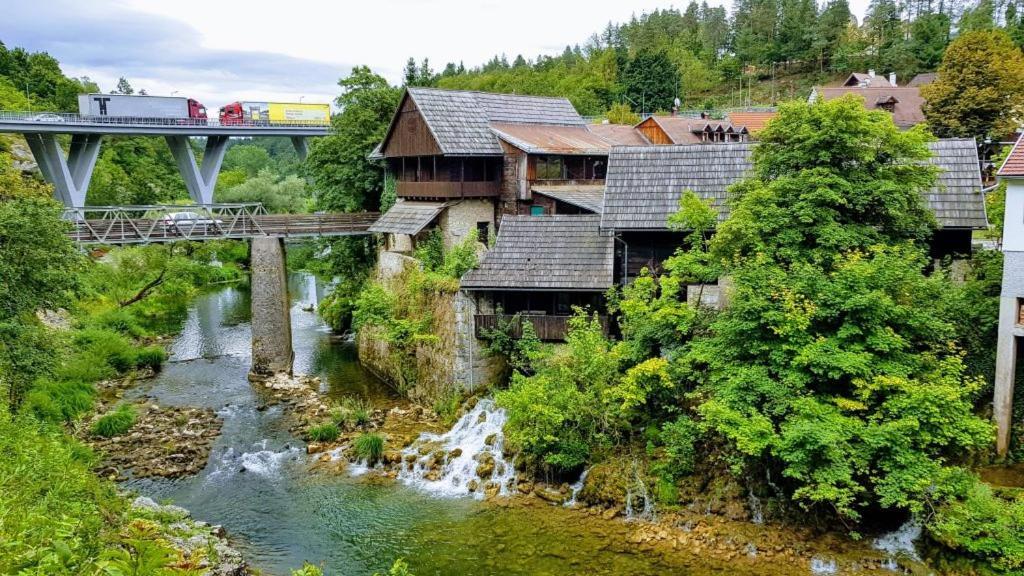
column 892, row 79
column 871, row 73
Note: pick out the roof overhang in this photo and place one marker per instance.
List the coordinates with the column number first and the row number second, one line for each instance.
column 408, row 217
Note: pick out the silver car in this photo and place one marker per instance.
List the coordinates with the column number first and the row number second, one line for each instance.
column 189, row 222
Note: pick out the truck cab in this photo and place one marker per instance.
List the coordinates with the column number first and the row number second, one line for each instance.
column 196, row 109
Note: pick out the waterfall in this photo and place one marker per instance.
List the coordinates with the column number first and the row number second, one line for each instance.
column 820, row 565
column 466, row 460
column 754, row 503
column 646, row 512
column 899, row 543
column 575, row 487
column 261, row 461
column 313, row 298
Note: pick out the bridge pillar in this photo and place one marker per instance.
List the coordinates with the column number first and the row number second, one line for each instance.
column 70, row 176
column 300, row 147
column 200, row 181
column 271, row 311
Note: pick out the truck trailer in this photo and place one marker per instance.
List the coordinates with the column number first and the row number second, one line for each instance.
column 117, row 107
column 270, row 113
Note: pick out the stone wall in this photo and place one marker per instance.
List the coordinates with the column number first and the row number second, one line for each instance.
column 453, row 362
column 461, row 218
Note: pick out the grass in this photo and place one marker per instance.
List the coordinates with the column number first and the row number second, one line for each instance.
column 323, row 432
column 353, row 411
column 369, row 447
column 116, row 422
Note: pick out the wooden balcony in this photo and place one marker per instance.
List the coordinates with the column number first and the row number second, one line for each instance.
column 548, row 327
column 447, row 190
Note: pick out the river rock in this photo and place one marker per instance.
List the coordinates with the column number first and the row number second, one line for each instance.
column 549, row 494
column 486, row 465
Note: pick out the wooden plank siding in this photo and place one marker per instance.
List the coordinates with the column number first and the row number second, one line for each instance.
column 654, row 134
column 447, row 189
column 548, row 328
column 411, row 135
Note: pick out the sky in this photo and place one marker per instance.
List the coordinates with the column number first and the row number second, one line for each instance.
column 221, row 51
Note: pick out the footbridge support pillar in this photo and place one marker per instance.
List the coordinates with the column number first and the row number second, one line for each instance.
column 70, row 176
column 299, row 142
column 271, row 318
column 200, row 180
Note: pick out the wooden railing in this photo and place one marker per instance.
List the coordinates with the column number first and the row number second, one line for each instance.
column 548, row 328
column 447, row 189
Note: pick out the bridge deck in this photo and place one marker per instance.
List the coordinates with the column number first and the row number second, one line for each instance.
column 138, row 226
column 54, row 123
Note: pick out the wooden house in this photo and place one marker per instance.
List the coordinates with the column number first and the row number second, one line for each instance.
column 540, row 268
column 644, row 186
column 904, row 103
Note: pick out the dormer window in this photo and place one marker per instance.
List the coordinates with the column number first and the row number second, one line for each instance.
column 887, row 103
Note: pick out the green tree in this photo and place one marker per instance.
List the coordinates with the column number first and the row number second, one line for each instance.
column 980, row 89
column 278, row 195
column 248, row 158
column 345, row 179
column 929, row 36
column 651, row 81
column 123, row 87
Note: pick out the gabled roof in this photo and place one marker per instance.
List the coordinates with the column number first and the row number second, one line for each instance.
column 407, row 217
column 460, row 120
column 644, row 184
column 551, row 139
column 859, row 79
column 908, row 101
column 922, row 79
column 588, row 197
column 619, row 134
column 1013, row 167
column 557, row 252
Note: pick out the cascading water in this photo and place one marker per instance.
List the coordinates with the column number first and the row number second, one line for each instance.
column 261, row 461
column 575, row 488
column 754, row 504
column 466, row 460
column 899, row 543
column 646, row 511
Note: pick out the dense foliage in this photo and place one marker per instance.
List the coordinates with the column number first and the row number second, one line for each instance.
column 826, row 372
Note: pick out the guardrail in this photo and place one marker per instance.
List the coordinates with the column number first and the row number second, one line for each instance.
column 169, row 223
column 65, row 118
column 162, row 223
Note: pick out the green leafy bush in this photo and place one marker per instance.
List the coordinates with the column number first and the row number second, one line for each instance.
column 399, row 568
column 369, row 447
column 116, row 422
column 323, row 432
column 60, row 400
column 308, row 570
column 678, row 438
column 151, row 357
column 62, row 507
column 984, row 526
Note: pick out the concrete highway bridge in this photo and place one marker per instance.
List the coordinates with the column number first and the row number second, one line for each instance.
column 70, row 173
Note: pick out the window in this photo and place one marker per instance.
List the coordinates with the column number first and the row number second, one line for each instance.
column 536, row 210
column 549, row 168
column 482, row 230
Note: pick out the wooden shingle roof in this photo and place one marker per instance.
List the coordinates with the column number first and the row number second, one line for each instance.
column 460, row 120
column 556, row 252
column 588, row 197
column 644, row 184
column 908, row 110
column 407, row 217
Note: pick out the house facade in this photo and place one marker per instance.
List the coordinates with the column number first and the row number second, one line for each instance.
column 1011, row 298
column 904, row 103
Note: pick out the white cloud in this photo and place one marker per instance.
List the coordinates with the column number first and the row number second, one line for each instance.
column 223, row 51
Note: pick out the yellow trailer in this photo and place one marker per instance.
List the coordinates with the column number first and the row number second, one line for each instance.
column 287, row 112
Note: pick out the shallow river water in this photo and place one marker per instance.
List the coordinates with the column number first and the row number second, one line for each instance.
column 258, row 485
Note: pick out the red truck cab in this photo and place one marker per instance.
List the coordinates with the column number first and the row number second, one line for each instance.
column 232, row 114
column 196, row 109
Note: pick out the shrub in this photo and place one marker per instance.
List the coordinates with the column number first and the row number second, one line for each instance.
column 151, row 357
column 984, row 526
column 116, row 422
column 59, row 401
column 61, row 506
column 323, row 432
column 678, row 439
column 399, row 568
column 369, row 447
column 352, row 412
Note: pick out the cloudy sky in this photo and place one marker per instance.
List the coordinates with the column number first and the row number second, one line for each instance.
column 219, row 51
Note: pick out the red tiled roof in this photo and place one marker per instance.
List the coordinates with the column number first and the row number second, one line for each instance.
column 754, row 121
column 1014, row 165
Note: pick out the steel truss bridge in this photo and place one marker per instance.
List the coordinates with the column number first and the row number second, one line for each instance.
column 171, row 223
column 70, row 173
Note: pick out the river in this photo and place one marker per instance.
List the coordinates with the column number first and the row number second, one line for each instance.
column 258, row 485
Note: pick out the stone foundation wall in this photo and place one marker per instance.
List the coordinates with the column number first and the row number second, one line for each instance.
column 454, row 362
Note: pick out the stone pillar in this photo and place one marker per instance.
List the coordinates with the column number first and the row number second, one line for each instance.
column 271, row 318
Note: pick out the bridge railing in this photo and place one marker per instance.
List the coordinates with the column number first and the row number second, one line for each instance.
column 65, row 118
column 161, row 223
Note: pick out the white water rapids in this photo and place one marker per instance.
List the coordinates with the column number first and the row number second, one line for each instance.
column 451, row 464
